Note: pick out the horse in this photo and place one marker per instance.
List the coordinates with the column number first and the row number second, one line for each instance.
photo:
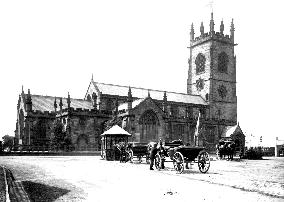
column 122, row 151
column 226, row 148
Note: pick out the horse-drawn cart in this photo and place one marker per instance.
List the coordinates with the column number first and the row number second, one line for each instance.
column 182, row 155
column 138, row 150
column 227, row 147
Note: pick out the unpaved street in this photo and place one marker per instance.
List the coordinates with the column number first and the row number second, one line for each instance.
column 88, row 178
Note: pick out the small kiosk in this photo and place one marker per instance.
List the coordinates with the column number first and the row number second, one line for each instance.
column 110, row 139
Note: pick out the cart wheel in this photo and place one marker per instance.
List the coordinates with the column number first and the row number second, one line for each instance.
column 130, row 155
column 203, row 161
column 178, row 161
column 157, row 161
column 109, row 155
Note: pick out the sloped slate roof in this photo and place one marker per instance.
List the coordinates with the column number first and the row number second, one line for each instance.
column 46, row 103
column 116, row 130
column 111, row 89
column 134, row 104
column 229, row 130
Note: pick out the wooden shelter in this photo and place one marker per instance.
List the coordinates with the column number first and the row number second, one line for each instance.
column 110, row 139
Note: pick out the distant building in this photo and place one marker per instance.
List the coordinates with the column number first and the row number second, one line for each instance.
column 146, row 113
column 268, row 151
column 279, row 148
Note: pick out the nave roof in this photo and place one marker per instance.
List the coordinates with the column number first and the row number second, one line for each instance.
column 46, row 103
column 111, row 89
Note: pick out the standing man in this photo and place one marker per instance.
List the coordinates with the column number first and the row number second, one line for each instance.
column 153, row 153
column 161, row 149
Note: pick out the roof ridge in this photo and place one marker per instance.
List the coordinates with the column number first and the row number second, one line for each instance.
column 50, row 96
column 145, row 89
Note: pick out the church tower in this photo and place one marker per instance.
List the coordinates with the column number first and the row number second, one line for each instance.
column 212, row 71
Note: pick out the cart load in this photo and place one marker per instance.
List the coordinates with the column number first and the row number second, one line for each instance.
column 181, row 155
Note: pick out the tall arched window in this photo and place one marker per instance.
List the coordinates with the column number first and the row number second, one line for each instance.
column 223, row 60
column 39, row 133
column 200, row 63
column 82, row 142
column 149, row 124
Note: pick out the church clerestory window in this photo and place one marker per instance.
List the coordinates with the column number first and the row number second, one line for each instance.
column 200, row 63
column 223, row 60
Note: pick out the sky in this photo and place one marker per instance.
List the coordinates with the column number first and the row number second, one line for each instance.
column 53, row 47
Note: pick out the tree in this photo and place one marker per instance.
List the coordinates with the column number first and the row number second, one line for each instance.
column 59, row 138
column 8, row 142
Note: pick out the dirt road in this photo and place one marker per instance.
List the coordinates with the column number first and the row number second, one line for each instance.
column 91, row 179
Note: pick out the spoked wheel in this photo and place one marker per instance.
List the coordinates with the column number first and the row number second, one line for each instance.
column 130, row 155
column 178, row 161
column 157, row 161
column 203, row 161
column 109, row 155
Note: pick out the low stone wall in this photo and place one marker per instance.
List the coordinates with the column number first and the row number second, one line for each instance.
column 40, row 153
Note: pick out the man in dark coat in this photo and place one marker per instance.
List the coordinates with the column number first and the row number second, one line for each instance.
column 161, row 149
column 153, row 153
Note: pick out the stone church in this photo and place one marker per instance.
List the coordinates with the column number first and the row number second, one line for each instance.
column 145, row 113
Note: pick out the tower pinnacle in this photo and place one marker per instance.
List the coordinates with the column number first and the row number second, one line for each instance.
column 212, row 24
column 55, row 104
column 222, row 28
column 68, row 101
column 129, row 99
column 202, row 29
column 232, row 30
column 191, row 32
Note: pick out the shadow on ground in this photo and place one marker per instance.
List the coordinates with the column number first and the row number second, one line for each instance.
column 43, row 193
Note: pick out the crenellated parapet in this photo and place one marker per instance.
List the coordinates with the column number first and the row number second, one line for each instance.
column 38, row 113
column 82, row 112
column 212, row 34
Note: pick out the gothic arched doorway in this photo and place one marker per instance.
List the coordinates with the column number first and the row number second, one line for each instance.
column 82, row 142
column 149, row 125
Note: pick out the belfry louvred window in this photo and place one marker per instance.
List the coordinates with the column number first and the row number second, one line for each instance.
column 200, row 63
column 223, row 60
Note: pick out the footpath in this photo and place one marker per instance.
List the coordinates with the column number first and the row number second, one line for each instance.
column 11, row 190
